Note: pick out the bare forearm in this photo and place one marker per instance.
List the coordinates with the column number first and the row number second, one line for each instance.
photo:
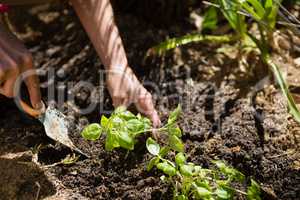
column 98, row 20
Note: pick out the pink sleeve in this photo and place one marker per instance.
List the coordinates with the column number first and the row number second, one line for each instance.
column 3, row 8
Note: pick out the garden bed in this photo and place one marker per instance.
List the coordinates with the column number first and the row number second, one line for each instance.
column 224, row 117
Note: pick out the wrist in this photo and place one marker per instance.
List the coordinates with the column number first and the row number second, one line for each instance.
column 120, row 68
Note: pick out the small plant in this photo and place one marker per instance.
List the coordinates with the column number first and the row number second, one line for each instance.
column 236, row 12
column 70, row 159
column 122, row 127
column 193, row 181
column 189, row 181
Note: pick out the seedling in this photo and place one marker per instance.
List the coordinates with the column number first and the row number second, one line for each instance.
column 189, row 181
column 68, row 160
column 122, row 128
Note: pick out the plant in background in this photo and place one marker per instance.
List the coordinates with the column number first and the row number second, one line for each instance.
column 264, row 13
column 189, row 181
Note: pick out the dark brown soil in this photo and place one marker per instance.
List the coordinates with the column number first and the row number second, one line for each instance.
column 226, row 115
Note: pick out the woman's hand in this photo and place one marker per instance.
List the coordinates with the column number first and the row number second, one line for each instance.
column 15, row 60
column 125, row 89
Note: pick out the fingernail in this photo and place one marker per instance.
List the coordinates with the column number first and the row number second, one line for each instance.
column 39, row 106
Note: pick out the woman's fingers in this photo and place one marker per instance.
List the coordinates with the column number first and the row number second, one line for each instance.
column 32, row 82
column 33, row 87
column 125, row 89
column 16, row 66
column 8, row 88
column 2, row 76
column 145, row 105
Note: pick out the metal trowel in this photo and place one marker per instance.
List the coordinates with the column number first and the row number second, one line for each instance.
column 55, row 123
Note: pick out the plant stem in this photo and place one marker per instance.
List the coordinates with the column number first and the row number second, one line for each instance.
column 151, row 130
column 241, row 192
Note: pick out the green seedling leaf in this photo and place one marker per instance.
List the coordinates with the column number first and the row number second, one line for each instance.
column 174, row 115
column 166, row 168
column 92, row 132
column 187, row 184
column 222, row 193
column 210, row 19
column 70, row 159
column 152, row 146
column 187, row 170
column 229, row 9
column 197, row 169
column 202, row 193
column 230, row 171
column 181, row 197
column 164, row 151
column 250, row 9
column 259, row 9
column 112, row 141
column 203, row 183
column 104, row 122
column 139, row 116
column 126, row 115
column 117, row 122
column 253, row 191
column 154, row 161
column 175, row 130
column 120, row 109
column 135, row 125
column 146, row 121
column 237, row 21
column 180, row 159
column 126, row 141
column 176, row 144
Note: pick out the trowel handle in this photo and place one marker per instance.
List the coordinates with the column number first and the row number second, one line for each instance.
column 31, row 111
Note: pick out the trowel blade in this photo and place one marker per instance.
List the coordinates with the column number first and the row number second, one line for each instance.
column 56, row 127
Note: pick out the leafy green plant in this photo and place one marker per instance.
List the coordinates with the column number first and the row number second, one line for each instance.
column 189, row 181
column 122, row 127
column 264, row 13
